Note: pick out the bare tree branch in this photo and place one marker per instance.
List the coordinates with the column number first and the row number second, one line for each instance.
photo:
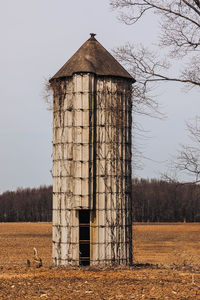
column 188, row 158
column 180, row 36
column 192, row 6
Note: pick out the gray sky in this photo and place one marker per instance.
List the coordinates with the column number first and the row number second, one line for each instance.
column 37, row 38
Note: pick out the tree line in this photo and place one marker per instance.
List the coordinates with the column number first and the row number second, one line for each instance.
column 152, row 200
column 26, row 205
column 162, row 201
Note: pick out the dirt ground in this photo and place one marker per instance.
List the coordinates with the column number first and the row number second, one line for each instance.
column 166, row 266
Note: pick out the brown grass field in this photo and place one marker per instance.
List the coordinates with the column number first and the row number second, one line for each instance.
column 166, row 266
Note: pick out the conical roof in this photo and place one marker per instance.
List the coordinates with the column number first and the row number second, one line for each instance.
column 92, row 57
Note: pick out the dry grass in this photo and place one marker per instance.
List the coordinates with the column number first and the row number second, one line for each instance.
column 174, row 247
column 167, row 244
column 18, row 240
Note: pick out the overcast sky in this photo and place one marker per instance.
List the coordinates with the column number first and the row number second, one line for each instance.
column 37, row 38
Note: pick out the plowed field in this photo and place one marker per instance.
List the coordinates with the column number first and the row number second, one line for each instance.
column 166, row 266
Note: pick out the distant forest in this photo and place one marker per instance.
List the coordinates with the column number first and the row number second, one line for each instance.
column 161, row 201
column 153, row 201
column 26, row 205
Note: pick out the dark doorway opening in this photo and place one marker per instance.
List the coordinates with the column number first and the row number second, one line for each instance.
column 84, row 237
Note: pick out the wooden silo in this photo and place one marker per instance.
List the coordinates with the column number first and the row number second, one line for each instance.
column 92, row 221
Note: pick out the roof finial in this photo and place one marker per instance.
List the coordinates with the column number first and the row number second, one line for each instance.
column 92, row 35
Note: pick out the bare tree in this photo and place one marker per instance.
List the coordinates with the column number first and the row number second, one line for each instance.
column 180, row 39
column 179, row 35
column 188, row 159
